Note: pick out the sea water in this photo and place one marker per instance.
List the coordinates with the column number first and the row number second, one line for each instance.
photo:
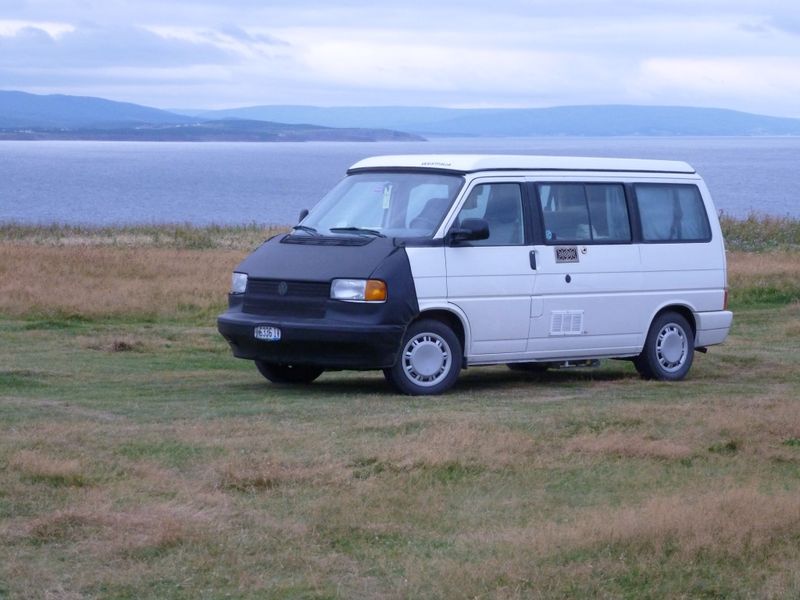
column 106, row 183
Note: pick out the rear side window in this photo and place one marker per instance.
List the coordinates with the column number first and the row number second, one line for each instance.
column 578, row 212
column 672, row 213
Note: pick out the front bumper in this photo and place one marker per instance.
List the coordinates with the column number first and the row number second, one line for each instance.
column 324, row 343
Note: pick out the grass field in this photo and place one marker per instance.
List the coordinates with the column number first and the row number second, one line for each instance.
column 139, row 460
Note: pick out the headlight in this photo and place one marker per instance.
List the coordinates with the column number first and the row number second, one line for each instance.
column 358, row 290
column 238, row 283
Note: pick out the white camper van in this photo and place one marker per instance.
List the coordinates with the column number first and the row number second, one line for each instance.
column 424, row 265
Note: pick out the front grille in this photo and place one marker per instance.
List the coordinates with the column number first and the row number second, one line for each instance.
column 281, row 297
column 294, row 289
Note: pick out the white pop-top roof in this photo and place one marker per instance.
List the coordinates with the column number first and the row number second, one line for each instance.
column 470, row 163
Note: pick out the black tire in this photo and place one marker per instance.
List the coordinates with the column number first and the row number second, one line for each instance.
column 668, row 350
column 279, row 373
column 429, row 361
column 529, row 367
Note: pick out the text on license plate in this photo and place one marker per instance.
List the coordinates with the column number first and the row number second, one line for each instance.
column 267, row 333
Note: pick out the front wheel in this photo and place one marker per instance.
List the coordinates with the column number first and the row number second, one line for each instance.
column 668, row 350
column 429, row 361
column 280, row 373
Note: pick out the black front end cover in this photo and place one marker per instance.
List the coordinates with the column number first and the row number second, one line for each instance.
column 289, row 281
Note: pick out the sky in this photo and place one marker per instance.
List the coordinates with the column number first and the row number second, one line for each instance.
column 207, row 54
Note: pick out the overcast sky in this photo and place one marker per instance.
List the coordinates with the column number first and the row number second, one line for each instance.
column 737, row 54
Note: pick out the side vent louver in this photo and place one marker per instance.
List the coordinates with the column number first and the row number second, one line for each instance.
column 566, row 254
column 566, row 322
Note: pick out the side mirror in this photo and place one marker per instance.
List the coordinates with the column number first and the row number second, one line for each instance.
column 471, row 229
column 303, row 214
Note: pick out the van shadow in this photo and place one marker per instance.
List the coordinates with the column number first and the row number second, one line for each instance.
column 331, row 382
column 372, row 383
column 477, row 379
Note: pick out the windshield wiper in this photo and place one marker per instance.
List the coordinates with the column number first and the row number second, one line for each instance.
column 306, row 228
column 358, row 230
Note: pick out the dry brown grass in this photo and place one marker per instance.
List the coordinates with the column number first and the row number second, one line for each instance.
column 253, row 473
column 630, row 446
column 758, row 426
column 143, row 461
column 726, row 525
column 41, row 467
column 94, row 280
column 106, row 281
column 766, row 277
column 105, row 531
column 752, row 265
column 461, row 442
column 730, row 521
column 292, row 493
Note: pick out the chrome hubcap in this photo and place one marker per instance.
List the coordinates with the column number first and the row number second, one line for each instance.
column 426, row 359
column 671, row 347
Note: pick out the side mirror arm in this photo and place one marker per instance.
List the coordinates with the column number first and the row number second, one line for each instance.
column 471, row 229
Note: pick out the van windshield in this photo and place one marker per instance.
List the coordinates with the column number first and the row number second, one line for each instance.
column 393, row 204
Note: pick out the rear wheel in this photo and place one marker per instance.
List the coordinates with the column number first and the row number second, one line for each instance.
column 668, row 350
column 280, row 373
column 429, row 361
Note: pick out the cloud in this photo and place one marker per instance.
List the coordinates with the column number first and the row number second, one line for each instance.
column 757, row 81
column 90, row 46
column 237, row 33
column 786, row 23
column 209, row 53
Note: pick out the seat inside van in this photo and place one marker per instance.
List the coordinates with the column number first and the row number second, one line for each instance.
column 567, row 224
column 504, row 215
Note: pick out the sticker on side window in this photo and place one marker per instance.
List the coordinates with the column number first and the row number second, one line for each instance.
column 387, row 195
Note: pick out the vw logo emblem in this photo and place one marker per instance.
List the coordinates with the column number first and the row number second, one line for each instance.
column 283, row 287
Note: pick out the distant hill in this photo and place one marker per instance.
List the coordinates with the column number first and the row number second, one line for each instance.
column 395, row 117
column 26, row 116
column 224, row 130
column 20, row 109
column 32, row 116
column 612, row 120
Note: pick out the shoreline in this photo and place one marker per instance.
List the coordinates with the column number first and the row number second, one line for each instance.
column 754, row 233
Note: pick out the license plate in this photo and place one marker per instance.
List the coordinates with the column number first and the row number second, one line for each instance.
column 267, row 333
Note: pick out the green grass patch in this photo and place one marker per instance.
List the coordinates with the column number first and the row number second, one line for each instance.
column 452, row 472
column 729, row 447
column 57, row 479
column 754, row 233
column 364, row 468
column 173, row 470
column 20, row 380
column 170, row 453
column 168, row 235
column 774, row 293
column 759, row 233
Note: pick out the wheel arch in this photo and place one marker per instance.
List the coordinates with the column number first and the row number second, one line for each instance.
column 453, row 320
column 682, row 309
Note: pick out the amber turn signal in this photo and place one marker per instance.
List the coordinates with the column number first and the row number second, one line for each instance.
column 375, row 291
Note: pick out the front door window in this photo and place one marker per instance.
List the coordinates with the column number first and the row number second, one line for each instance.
column 500, row 205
